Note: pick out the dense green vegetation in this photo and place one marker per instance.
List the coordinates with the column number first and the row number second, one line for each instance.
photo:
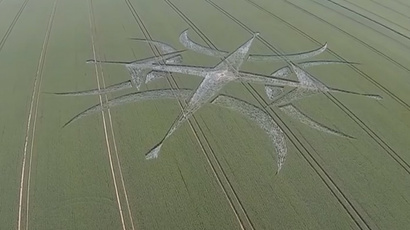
column 219, row 169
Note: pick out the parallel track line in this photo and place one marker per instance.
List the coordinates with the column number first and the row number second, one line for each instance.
column 13, row 23
column 389, row 8
column 370, row 19
column 114, row 141
column 35, row 98
column 92, row 31
column 377, row 15
column 372, row 48
column 356, row 69
column 401, row 3
column 40, row 74
column 359, row 22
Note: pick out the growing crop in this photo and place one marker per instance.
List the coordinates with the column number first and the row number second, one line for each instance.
column 215, row 78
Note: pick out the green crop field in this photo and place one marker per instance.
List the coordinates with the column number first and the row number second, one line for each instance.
column 204, row 114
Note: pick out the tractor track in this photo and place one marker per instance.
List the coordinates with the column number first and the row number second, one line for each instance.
column 377, row 15
column 389, row 8
column 114, row 143
column 359, row 22
column 214, row 169
column 326, row 179
column 401, row 3
column 24, row 194
column 13, row 23
column 386, row 147
column 104, row 122
column 369, row 19
column 389, row 150
column 388, row 58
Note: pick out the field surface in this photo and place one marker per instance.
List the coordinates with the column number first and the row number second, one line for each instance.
column 321, row 144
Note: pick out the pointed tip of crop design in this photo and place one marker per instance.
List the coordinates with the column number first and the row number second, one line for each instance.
column 154, row 152
column 374, row 96
column 137, row 39
column 91, row 61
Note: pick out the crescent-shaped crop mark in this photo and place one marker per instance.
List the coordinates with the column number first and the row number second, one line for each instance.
column 228, row 70
column 264, row 121
column 110, row 89
column 290, row 57
column 298, row 115
column 285, row 71
column 132, row 98
column 191, row 45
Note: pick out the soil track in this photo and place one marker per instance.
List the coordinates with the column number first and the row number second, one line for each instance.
column 92, row 32
column 24, row 193
column 114, row 142
column 370, row 19
column 13, row 23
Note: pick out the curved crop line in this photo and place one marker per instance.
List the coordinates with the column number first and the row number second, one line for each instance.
column 306, row 79
column 298, row 115
column 273, row 91
column 368, row 95
column 158, row 59
column 130, row 98
column 110, row 89
column 294, row 95
column 308, row 64
column 264, row 121
column 164, row 48
column 284, row 71
column 154, row 59
column 290, row 57
column 191, row 45
column 310, row 82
